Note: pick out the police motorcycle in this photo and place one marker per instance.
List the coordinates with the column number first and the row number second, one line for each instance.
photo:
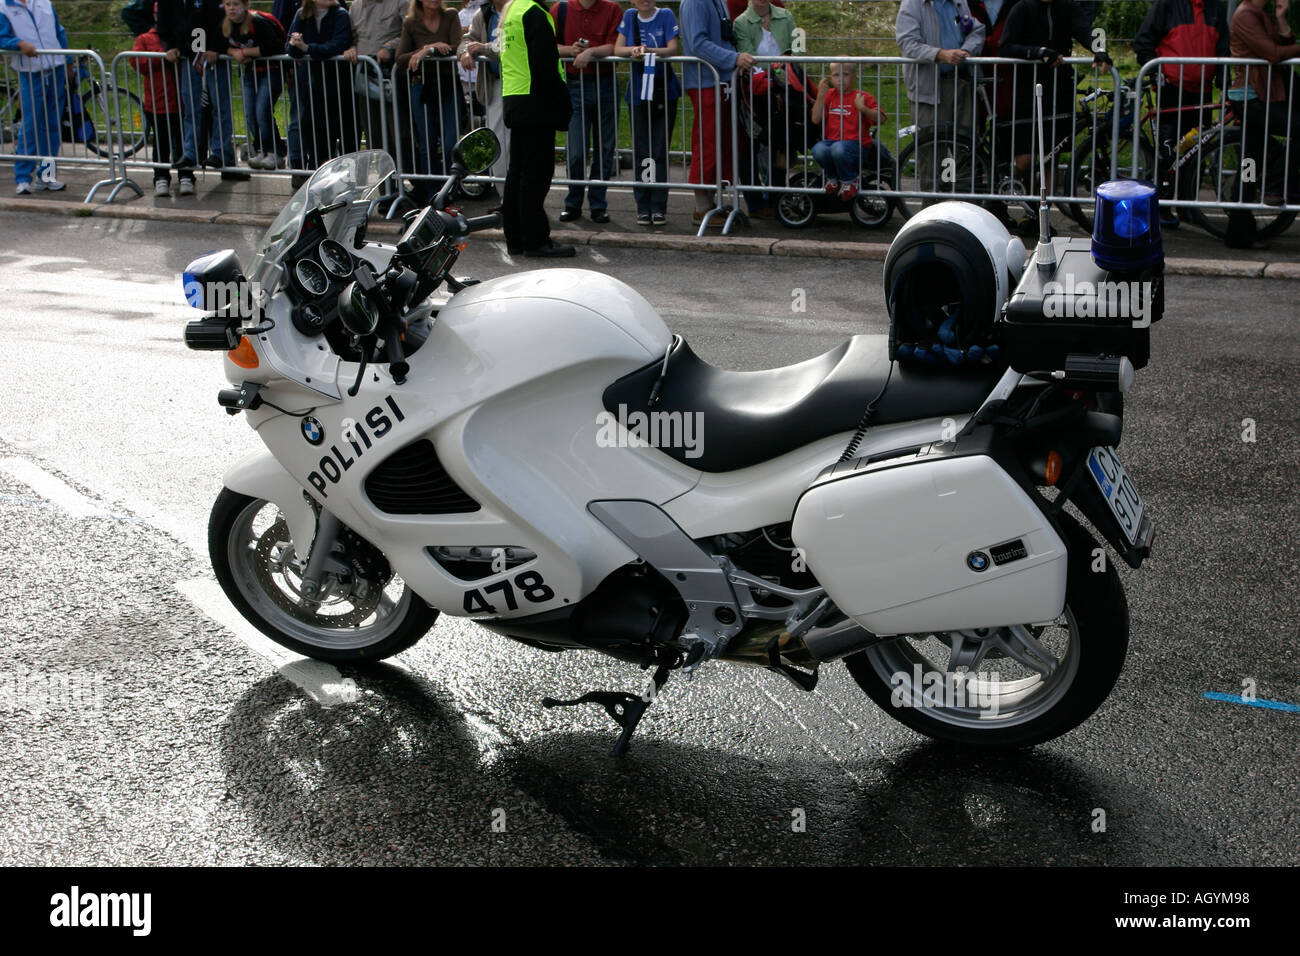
column 540, row 454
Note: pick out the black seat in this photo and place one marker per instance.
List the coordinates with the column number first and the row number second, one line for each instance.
column 751, row 417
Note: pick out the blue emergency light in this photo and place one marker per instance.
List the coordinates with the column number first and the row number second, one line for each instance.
column 1126, row 231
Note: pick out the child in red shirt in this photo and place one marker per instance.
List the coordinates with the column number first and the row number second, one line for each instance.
column 160, row 96
column 846, row 116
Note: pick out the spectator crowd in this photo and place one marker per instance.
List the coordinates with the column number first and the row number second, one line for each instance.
column 443, row 67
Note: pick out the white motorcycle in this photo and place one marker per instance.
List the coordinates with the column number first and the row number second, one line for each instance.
column 540, row 454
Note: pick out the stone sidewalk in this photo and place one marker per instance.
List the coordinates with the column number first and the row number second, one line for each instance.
column 1188, row 250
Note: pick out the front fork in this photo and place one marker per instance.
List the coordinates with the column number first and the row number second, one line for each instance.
column 322, row 546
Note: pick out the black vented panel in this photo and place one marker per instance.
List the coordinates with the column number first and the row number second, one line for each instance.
column 413, row 482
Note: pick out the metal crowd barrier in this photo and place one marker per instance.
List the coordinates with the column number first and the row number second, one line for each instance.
column 1209, row 152
column 439, row 110
column 1216, row 149
column 287, row 115
column 965, row 147
column 64, row 111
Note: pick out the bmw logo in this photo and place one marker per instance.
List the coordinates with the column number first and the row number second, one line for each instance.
column 977, row 561
column 313, row 430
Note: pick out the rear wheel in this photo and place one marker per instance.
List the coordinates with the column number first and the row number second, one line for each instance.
column 105, row 109
column 1221, row 180
column 869, row 209
column 969, row 174
column 1013, row 686
column 366, row 614
column 1092, row 166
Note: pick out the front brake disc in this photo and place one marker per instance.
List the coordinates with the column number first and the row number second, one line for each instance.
column 291, row 601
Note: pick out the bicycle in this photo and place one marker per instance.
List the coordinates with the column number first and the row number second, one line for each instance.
column 977, row 171
column 1217, row 170
column 90, row 115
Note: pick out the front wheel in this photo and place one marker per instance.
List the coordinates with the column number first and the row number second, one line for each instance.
column 366, row 614
column 1014, row 686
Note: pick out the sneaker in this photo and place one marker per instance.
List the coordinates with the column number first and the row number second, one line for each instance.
column 570, row 214
column 187, row 187
column 162, row 188
column 213, row 162
column 832, row 187
column 643, row 219
column 849, row 191
column 659, row 219
column 23, row 189
column 265, row 161
column 49, row 185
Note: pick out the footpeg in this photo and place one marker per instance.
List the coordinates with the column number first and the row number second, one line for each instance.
column 626, row 709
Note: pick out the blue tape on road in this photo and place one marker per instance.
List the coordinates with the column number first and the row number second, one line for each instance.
column 1266, row 704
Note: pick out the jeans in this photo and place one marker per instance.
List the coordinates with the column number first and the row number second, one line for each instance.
column 436, row 125
column 595, row 108
column 293, row 134
column 42, row 96
column 221, row 135
column 261, row 90
column 839, row 159
column 652, row 128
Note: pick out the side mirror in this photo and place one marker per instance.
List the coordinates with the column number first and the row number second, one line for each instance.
column 477, row 150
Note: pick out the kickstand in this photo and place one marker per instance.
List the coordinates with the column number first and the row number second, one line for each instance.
column 626, row 709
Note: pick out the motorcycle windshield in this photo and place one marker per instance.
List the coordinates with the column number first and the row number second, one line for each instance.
column 357, row 177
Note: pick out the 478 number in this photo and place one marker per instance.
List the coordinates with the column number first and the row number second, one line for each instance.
column 527, row 583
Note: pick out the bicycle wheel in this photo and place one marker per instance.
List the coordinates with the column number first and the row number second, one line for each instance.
column 11, row 116
column 1092, row 167
column 968, row 174
column 1221, row 181
column 105, row 108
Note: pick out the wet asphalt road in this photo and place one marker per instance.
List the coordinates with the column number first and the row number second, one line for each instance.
column 175, row 741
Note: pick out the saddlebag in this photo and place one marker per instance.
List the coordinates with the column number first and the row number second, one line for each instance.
column 930, row 541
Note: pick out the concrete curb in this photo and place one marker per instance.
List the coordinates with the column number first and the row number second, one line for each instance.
column 731, row 245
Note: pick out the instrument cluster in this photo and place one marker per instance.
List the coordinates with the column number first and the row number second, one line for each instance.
column 319, row 270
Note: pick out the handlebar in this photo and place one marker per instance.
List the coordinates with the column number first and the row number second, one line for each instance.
column 490, row 221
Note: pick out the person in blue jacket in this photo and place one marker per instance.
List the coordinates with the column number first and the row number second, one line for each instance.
column 321, row 31
column 25, row 27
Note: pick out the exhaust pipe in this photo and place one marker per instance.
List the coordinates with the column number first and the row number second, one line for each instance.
column 817, row 645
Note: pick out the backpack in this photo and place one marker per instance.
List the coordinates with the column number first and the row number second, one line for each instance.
column 138, row 16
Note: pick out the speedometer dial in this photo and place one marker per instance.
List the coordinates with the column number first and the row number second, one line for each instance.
column 311, row 277
column 336, row 259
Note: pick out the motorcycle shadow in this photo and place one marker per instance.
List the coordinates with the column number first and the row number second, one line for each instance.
column 401, row 775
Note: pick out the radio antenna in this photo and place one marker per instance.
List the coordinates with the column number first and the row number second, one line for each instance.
column 1045, row 254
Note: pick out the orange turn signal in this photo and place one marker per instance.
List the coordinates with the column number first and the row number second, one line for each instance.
column 243, row 354
column 1053, row 470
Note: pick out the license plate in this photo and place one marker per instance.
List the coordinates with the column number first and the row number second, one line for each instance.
column 1118, row 490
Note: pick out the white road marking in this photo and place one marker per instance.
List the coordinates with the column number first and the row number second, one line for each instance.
column 500, row 247
column 597, row 257
column 50, row 488
column 319, row 680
